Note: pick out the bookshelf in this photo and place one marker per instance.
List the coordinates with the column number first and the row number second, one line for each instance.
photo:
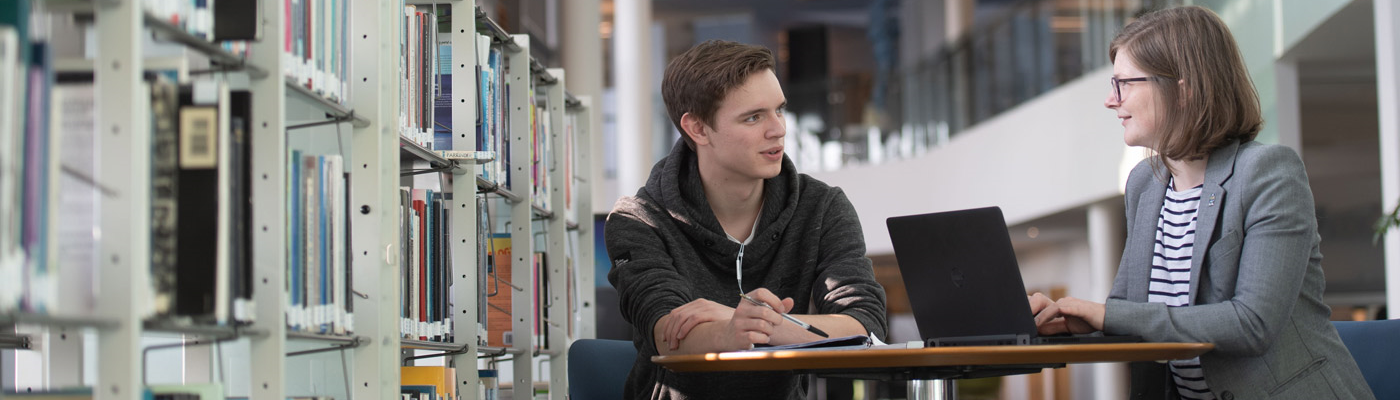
column 519, row 204
column 542, row 220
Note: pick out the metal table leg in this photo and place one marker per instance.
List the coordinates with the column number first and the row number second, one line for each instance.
column 933, row 389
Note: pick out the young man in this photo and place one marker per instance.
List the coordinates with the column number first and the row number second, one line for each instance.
column 727, row 197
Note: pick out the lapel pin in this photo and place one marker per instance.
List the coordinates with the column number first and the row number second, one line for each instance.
column 1211, row 203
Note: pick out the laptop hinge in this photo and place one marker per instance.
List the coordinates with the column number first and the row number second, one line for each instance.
column 1012, row 339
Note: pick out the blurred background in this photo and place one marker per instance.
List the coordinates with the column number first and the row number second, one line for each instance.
column 917, row 106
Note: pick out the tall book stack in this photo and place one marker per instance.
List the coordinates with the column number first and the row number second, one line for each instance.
column 542, row 153
column 491, row 113
column 320, row 280
column 425, row 264
column 26, row 79
column 201, row 255
column 315, row 52
column 12, row 254
column 418, row 87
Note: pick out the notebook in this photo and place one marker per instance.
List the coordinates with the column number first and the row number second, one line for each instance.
column 964, row 284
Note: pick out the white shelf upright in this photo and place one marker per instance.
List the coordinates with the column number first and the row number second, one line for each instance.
column 556, row 231
column 124, row 166
column 583, row 197
column 521, row 213
column 464, row 213
column 374, row 38
column 267, row 360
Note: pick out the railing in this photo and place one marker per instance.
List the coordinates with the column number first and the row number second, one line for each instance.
column 1030, row 49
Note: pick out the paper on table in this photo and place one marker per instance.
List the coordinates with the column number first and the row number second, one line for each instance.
column 838, row 343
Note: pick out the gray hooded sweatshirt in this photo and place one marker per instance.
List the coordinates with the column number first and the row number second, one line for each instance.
column 667, row 249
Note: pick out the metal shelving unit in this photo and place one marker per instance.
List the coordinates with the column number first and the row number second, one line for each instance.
column 200, row 330
column 9, row 320
column 484, row 186
column 334, row 111
column 375, row 346
column 14, row 341
column 164, row 30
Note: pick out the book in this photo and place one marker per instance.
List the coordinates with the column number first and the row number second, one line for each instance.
column 442, row 104
column 195, row 391
column 236, row 20
column 420, row 392
column 241, row 205
column 11, row 171
column 76, row 242
column 37, row 164
column 319, row 274
column 165, row 105
column 419, row 83
column 315, row 51
column 441, row 379
column 296, row 253
column 205, row 203
column 498, row 322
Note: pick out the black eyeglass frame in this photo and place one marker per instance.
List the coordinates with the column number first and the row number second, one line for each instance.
column 1118, row 84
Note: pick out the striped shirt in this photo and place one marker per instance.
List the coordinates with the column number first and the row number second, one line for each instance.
column 1171, row 277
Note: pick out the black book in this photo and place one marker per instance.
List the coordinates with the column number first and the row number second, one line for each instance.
column 241, row 254
column 202, row 272
column 236, row 20
column 164, row 167
column 447, row 270
column 440, row 265
column 349, row 261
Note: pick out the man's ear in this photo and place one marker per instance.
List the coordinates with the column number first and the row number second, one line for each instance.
column 695, row 127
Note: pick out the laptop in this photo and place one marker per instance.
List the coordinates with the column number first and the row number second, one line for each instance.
column 964, row 284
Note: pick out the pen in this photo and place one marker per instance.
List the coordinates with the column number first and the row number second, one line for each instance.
column 804, row 325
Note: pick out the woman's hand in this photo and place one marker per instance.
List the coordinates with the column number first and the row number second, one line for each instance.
column 1081, row 316
column 1042, row 308
column 1053, row 318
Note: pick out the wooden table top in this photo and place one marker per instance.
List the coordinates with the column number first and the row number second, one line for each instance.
column 811, row 360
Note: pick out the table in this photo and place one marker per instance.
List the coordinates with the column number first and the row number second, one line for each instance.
column 931, row 370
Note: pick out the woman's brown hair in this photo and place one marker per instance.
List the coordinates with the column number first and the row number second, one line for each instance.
column 1207, row 99
column 698, row 79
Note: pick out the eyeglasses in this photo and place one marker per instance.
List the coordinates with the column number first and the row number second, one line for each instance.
column 1118, row 84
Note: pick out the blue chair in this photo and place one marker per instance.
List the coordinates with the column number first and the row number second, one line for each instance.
column 1376, row 349
column 598, row 368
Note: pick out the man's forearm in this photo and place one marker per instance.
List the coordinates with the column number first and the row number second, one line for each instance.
column 708, row 337
column 835, row 325
column 705, row 337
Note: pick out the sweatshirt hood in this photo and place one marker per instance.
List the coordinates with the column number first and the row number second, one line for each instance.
column 675, row 184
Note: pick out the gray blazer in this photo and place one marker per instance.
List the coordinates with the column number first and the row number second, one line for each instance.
column 1256, row 283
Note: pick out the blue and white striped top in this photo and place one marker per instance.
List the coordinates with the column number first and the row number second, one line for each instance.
column 1171, row 277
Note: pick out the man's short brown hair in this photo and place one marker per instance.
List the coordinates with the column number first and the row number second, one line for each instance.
column 1215, row 103
column 697, row 80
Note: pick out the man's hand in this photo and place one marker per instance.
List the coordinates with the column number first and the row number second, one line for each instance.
column 753, row 323
column 705, row 326
column 686, row 317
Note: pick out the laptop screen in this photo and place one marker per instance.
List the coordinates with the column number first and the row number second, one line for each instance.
column 961, row 274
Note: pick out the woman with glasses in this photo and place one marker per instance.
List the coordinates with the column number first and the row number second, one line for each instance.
column 1222, row 243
